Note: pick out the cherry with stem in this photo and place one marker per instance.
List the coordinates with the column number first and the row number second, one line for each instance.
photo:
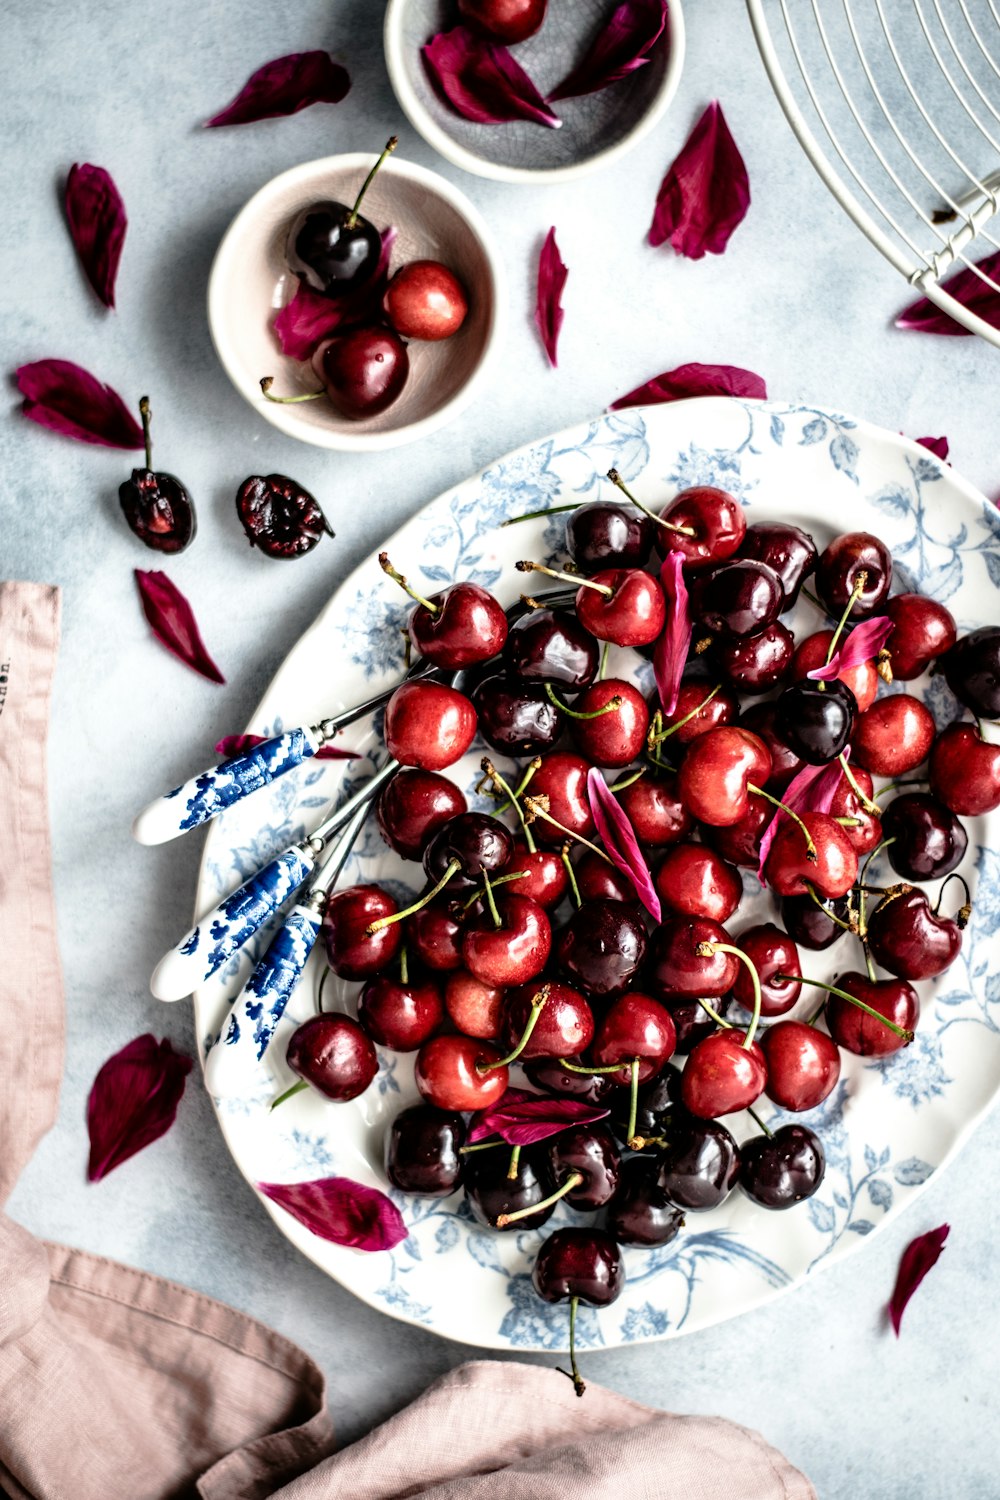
column 537, row 1006
column 706, row 950
column 832, row 989
column 619, row 483
column 425, row 900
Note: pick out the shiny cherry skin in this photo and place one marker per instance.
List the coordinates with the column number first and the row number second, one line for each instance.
column 789, row 870
column 740, row 599
column 552, row 645
column 909, row 939
column 928, row 841
column 428, row 725
column 601, row 948
column 757, row 663
column 422, row 1152
column 583, row 1263
column 617, row 736
column 695, row 881
column 965, row 771
column 789, row 550
column 363, row 370
column 694, row 715
column 698, row 1166
column 718, row 771
column 491, row 1193
column 856, row 1031
column 972, row 671
column 641, row 1213
column 693, row 1023
column 654, row 808
column 424, row 300
column 739, row 843
column 351, row 951
column 331, row 254
column 334, row 1055
column 816, row 719
column 446, row 1074
column 678, row 971
column 785, row 764
column 839, row 567
column 811, row 926
column 591, row 1151
column 473, row 1007
column 475, row 842
column 865, row 832
column 894, row 736
column 516, row 718
column 722, row 1076
column 545, row 879
column 509, row 20
column 633, row 614
column 634, row 1026
column 803, row 1065
column 783, row 1169
column 547, row 1073
column 811, row 653
column 922, row 631
column 565, row 1024
column 599, row 881
column 655, row 1105
column 413, row 806
column 400, row 1016
column 562, row 779
column 608, row 534
column 515, row 951
column 434, row 935
column 466, row 626
column 718, row 521
column 772, row 952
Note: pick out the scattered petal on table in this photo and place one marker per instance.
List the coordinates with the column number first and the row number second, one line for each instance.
column 133, row 1101
column 967, row 287
column 284, row 86
column 97, row 224
column 695, row 380
column 172, row 621
column 552, row 276
column 919, row 1257
column 67, row 399
column 937, row 446
column 705, row 194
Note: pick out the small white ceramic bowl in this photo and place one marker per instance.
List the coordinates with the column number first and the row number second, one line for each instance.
column 597, row 129
column 250, row 282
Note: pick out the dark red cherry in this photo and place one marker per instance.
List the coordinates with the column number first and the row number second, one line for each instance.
column 624, row 606
column 722, row 1076
column 928, row 841
column 772, row 952
column 785, row 764
column 545, row 879
column 561, row 780
column 590, row 1152
column 583, row 1263
column 474, row 1007
column 811, row 653
column 473, row 841
column 548, row 1073
column 491, row 1193
column 424, row 300
column 790, row 551
column 717, row 519
column 515, row 717
column 428, row 725
column 719, row 769
column 654, row 808
column 362, row 370
column 509, row 20
column 739, row 599
column 599, row 881
column 515, row 951
column 550, row 645
column 398, row 1015
column 413, row 806
column 757, row 663
column 865, row 829
column 422, row 1151
column 634, row 1026
column 782, row 1169
column 803, row 1064
column 922, row 631
column 447, row 1076
column 655, row 1104
column 790, row 871
column 565, row 1024
column 467, row 626
column 156, row 506
column 893, row 736
column 965, row 771
column 353, row 952
column 811, row 925
column 693, row 1023
column 601, row 948
column 608, row 534
column 840, row 567
column 699, row 1164
column 695, row 881
column 334, row 1055
column 641, row 1213
column 972, row 671
column 615, row 737
column 434, row 935
column 856, row 1031
column 697, row 711
column 331, row 248
column 678, row 971
column 279, row 516
column 816, row 719
column 909, row 939
column 739, row 843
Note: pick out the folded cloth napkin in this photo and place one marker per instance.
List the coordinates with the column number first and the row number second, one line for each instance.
column 118, row 1385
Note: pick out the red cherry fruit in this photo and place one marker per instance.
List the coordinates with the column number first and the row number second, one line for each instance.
column 861, row 679
column 922, row 630
column 654, row 808
column 424, row 300
column 351, row 951
column 562, row 778
column 717, row 772
column 695, row 881
column 722, row 1076
column 447, row 1077
column 434, row 935
column 398, row 1015
column 965, row 771
column 598, row 881
column 909, row 939
column 333, row 1054
column 756, row 663
column 789, row 870
column 632, row 614
column 839, row 570
column 544, row 874
column 474, row 1007
column 722, row 708
column 865, row 832
column 679, row 971
column 772, row 952
column 510, row 20
column 362, row 371
column 565, row 1024
column 413, row 806
column 803, row 1065
column 428, row 725
column 466, row 626
column 856, row 1031
column 893, row 736
column 717, row 519
column 634, row 1026
column 515, row 951
column 740, row 842
column 617, row 736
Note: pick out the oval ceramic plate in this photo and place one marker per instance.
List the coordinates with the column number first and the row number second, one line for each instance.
column 888, row 1125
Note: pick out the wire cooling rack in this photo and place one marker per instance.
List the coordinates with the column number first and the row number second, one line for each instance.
column 897, row 105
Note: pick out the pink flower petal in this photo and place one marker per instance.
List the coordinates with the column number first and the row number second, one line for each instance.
column 671, row 650
column 622, row 45
column 342, row 1211
column 620, row 842
column 67, row 399
column 705, row 194
column 284, row 86
column 695, row 380
column 532, row 1117
column 310, row 317
column 919, row 1257
column 863, row 644
column 97, row 225
column 552, row 276
column 482, row 81
column 937, row 446
column 240, row 744
column 966, row 287
column 173, row 623
column 812, row 790
column 133, row 1101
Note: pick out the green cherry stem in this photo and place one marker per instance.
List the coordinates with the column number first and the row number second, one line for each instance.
column 536, row 515
column 564, row 1062
column 390, row 146
column 512, row 1165
column 265, row 386
column 481, row 1146
column 573, row 1180
column 866, row 802
column 491, row 773
column 620, row 786
column 862, row 886
column 661, row 735
column 619, row 483
column 573, row 1373
column 709, row 1011
column 759, row 1122
column 146, row 414
column 537, row 1005
column 491, row 900
column 404, row 965
column 758, row 791
column 576, row 713
column 604, row 664
column 408, row 911
column 571, row 876
column 633, row 1108
column 387, row 568
column 296, row 1088
column 860, row 584
column 479, row 894
column 705, row 950
column 817, row 898
column 853, row 1000
column 535, row 808
column 526, row 566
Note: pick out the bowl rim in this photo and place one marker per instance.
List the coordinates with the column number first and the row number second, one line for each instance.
column 287, row 418
column 423, row 122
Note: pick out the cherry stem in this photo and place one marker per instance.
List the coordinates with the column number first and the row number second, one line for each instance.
column 387, row 567
column 633, row 1108
column 404, row 966
column 571, row 876
column 576, row 713
column 296, row 1088
column 512, row 1166
column 591, row 1072
column 709, row 1011
column 537, row 1006
column 860, row 584
column 870, row 967
column 811, row 854
column 268, row 380
column 618, row 481
column 145, row 413
column 848, row 822
column 491, row 773
column 672, row 728
column 481, row 1146
column 585, row 583
column 319, row 995
column 866, row 801
column 813, row 600
column 604, row 663
column 965, row 911
column 620, row 786
column 491, row 900
column 519, row 790
column 534, row 806
column 479, row 894
column 816, row 1014
column 759, row 1122
column 893, row 786
column 705, row 950
column 815, row 896
column 578, row 1385
column 853, row 1000
column 536, row 515
column 408, row 911
column 390, row 146
column 572, row 1181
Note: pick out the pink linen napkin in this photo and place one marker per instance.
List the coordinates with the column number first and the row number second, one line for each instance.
column 118, row 1385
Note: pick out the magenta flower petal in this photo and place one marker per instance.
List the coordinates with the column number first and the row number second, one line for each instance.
column 670, row 651
column 284, row 86
column 966, row 287
column 937, row 446
column 133, row 1101
column 552, row 276
column 622, row 45
column 695, row 380
column 67, row 399
column 919, row 1257
column 97, row 224
column 342, row 1211
column 172, row 621
column 482, row 81
column 620, row 842
column 705, row 194
column 864, row 642
column 812, row 790
column 310, row 317
column 240, row 744
column 529, row 1118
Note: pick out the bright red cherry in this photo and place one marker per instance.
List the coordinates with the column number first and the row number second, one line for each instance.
column 717, row 520
column 400, row 1015
column 565, row 1023
column 865, row 831
column 695, row 881
column 428, row 725
column 722, row 1076
column 772, row 953
column 363, row 371
column 509, row 20
column 464, row 625
column 474, row 1007
column 654, row 808
column 544, row 874
column 894, row 736
column 634, row 1026
column 908, row 938
column 719, row 771
column 812, row 652
column 413, row 806
column 434, row 933
column 424, row 300
column 617, row 735
column 448, row 1077
column 562, row 779
column 333, row 1054
column 699, row 709
column 965, row 771
column 676, row 968
column 789, row 870
column 624, row 606
column 515, row 951
column 803, row 1064
column 856, row 1031
column 922, row 631
column 352, row 951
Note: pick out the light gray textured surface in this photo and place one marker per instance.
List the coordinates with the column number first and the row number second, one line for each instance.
column 799, row 297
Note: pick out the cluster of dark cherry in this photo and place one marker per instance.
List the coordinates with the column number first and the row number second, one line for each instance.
column 474, row 978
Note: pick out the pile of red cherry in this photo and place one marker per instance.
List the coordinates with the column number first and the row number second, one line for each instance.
column 531, row 945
